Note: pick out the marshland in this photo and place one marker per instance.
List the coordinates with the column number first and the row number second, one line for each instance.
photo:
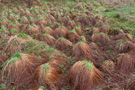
column 67, row 45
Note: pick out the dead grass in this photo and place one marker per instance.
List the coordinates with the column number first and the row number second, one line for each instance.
column 50, row 40
column 123, row 46
column 16, row 43
column 47, row 76
column 125, row 64
column 19, row 69
column 108, row 66
column 73, row 36
column 82, row 50
column 47, row 30
column 83, row 75
column 63, row 44
column 100, row 38
column 60, row 32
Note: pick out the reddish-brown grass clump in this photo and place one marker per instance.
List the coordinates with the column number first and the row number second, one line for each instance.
column 126, row 63
column 24, row 20
column 32, row 29
column 42, row 22
column 108, row 66
column 17, row 43
column 78, row 30
column 123, row 35
column 100, row 38
column 96, row 30
column 64, row 20
column 83, row 75
column 82, row 50
column 82, row 38
column 47, row 30
column 20, row 68
column 72, row 24
column 73, row 36
column 50, row 40
column 131, row 83
column 58, row 60
column 123, row 46
column 47, row 75
column 96, row 48
column 60, row 32
column 63, row 44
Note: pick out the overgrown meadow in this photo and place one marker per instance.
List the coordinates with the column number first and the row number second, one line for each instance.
column 67, row 45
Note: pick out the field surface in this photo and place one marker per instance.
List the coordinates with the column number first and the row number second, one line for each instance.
column 67, row 45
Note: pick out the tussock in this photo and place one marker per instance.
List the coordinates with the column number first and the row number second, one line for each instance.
column 47, row 30
column 73, row 36
column 125, row 64
column 50, row 40
column 20, row 68
column 63, row 44
column 82, row 50
column 100, row 38
column 60, row 32
column 83, row 75
column 123, row 46
column 47, row 75
column 108, row 66
column 16, row 43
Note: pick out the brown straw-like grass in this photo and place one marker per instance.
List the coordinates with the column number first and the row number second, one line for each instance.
column 73, row 36
column 126, row 63
column 63, row 44
column 123, row 46
column 20, row 69
column 82, row 50
column 108, row 66
column 32, row 29
column 50, row 40
column 83, row 75
column 100, row 38
column 47, row 30
column 60, row 32
column 47, row 75
column 16, row 43
column 131, row 83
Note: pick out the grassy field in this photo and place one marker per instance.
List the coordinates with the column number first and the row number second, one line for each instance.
column 67, row 45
